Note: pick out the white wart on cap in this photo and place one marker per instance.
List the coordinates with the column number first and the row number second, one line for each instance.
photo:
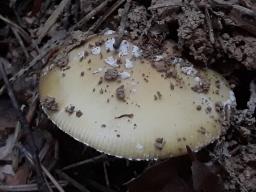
column 116, row 102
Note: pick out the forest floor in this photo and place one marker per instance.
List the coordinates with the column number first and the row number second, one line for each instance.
column 215, row 34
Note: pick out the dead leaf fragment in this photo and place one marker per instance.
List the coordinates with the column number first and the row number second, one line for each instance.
column 162, row 177
column 204, row 177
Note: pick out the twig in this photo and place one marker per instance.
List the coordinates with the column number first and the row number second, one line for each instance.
column 32, row 109
column 51, row 20
column 29, row 117
column 77, row 10
column 72, row 181
column 44, row 150
column 65, row 16
column 30, row 65
column 123, row 24
column 84, row 162
column 106, row 173
column 53, row 180
column 23, row 33
column 209, row 23
column 91, row 14
column 27, row 68
column 20, row 42
column 15, row 153
column 27, row 187
column 27, row 128
column 56, row 156
column 97, row 24
column 173, row 4
column 47, row 173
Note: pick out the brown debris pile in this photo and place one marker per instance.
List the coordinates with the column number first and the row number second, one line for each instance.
column 202, row 29
column 137, row 20
column 236, row 153
column 193, row 36
column 241, row 48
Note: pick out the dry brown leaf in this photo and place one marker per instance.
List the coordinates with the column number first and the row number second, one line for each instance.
column 162, row 177
column 205, row 178
column 20, row 177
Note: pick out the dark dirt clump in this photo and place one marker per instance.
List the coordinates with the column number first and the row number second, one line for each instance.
column 241, row 48
column 193, row 36
column 111, row 75
column 50, row 104
column 120, row 93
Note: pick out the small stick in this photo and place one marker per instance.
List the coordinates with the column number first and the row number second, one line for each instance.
column 106, row 173
column 23, row 33
column 27, row 128
column 55, row 156
column 32, row 109
column 169, row 4
column 72, row 181
column 47, row 173
column 52, row 19
column 53, row 180
column 30, row 65
column 84, row 162
column 24, row 70
column 123, row 24
column 209, row 23
column 24, row 49
column 27, row 187
column 91, row 14
column 97, row 24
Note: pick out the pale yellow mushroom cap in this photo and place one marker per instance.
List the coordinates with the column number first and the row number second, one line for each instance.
column 158, row 117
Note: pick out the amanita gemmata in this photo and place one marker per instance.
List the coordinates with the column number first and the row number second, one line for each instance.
column 117, row 102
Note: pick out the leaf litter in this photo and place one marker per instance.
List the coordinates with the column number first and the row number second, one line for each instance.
column 217, row 34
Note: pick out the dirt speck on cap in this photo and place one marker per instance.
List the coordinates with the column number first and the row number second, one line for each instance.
column 219, row 107
column 120, row 93
column 159, row 143
column 130, row 115
column 160, row 66
column 201, row 87
column 79, row 113
column 100, row 81
column 50, row 104
column 171, row 72
column 111, row 75
column 70, row 109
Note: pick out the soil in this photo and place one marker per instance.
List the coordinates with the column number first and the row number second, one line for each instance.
column 216, row 34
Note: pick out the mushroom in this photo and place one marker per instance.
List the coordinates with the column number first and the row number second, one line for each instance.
column 160, row 114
